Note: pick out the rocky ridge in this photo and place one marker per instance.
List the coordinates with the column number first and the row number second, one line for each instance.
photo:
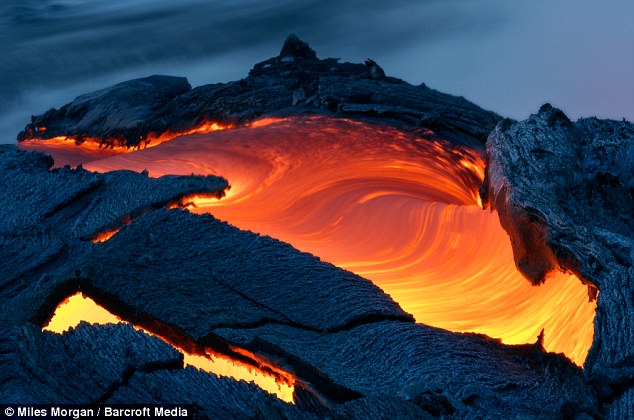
column 295, row 82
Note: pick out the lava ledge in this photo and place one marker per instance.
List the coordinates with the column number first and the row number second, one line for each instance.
column 564, row 192
column 295, row 82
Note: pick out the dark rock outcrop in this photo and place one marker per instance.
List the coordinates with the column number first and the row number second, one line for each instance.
column 42, row 367
column 204, row 284
column 80, row 203
column 112, row 113
column 294, row 83
column 439, row 371
column 565, row 194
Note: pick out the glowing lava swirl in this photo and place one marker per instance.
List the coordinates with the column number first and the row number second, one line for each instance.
column 400, row 209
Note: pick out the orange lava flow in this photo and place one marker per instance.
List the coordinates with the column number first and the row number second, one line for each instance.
column 396, row 208
column 104, row 235
column 66, row 151
column 78, row 308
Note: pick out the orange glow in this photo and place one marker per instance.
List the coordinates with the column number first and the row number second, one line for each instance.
column 79, row 308
column 65, row 150
column 193, row 200
column 206, row 127
column 263, row 122
column 92, row 148
column 398, row 209
column 104, row 236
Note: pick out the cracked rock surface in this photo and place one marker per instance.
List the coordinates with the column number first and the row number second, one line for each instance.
column 117, row 364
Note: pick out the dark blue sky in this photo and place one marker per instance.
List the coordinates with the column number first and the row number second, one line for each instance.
column 507, row 56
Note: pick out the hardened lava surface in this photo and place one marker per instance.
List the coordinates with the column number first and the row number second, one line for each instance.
column 353, row 350
column 565, row 194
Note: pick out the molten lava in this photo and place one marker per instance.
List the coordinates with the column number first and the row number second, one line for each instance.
column 65, row 151
column 78, row 308
column 92, row 148
column 104, row 235
column 401, row 209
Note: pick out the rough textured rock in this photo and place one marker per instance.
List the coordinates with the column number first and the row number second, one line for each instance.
column 294, row 83
column 78, row 203
column 48, row 216
column 271, row 286
column 439, row 371
column 216, row 398
column 117, row 364
column 610, row 362
column 203, row 283
column 565, row 193
column 112, row 113
column 83, row 366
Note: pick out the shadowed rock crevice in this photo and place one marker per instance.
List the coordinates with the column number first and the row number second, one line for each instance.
column 117, row 364
column 130, row 371
column 315, row 383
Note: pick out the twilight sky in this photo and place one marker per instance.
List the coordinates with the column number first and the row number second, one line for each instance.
column 506, row 56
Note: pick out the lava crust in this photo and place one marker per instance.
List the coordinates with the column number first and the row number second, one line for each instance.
column 294, row 83
column 565, row 194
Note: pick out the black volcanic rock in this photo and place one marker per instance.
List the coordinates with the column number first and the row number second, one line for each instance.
column 565, row 194
column 110, row 113
column 82, row 366
column 207, row 291
column 116, row 364
column 295, row 48
column 567, row 188
column 211, row 396
column 80, row 203
column 435, row 369
column 294, row 83
column 207, row 285
column 48, row 216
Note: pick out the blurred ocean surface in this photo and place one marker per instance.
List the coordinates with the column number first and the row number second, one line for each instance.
column 506, row 56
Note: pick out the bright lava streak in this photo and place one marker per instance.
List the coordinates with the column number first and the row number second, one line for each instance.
column 401, row 209
column 79, row 308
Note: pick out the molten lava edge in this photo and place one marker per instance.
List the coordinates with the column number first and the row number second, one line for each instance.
column 78, row 308
column 60, row 147
column 401, row 209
